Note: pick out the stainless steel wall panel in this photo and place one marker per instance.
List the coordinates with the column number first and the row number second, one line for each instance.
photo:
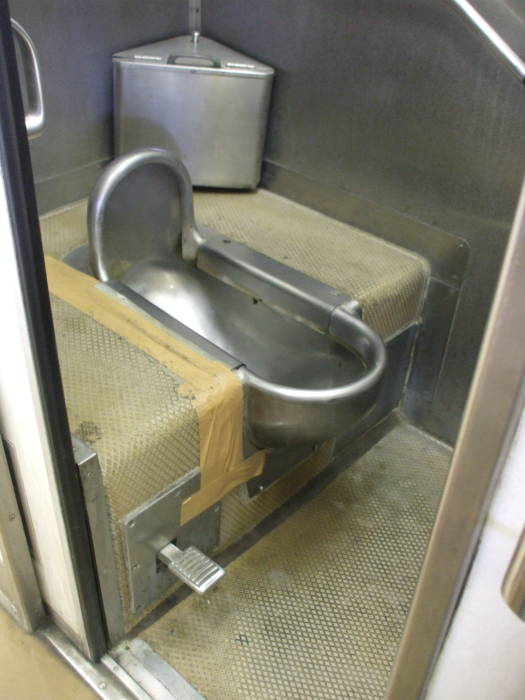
column 507, row 18
column 75, row 41
column 446, row 254
column 404, row 105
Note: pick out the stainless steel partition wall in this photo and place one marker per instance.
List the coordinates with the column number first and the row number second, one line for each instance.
column 505, row 17
column 75, row 41
column 397, row 117
column 497, row 39
column 404, row 105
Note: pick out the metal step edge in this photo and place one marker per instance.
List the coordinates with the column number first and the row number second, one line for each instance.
column 153, row 673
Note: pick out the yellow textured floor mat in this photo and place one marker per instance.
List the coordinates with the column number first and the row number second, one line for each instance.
column 316, row 608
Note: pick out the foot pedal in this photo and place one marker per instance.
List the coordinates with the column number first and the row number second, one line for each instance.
column 193, row 567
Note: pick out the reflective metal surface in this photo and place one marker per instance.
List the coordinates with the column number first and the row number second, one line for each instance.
column 156, row 524
column 194, row 17
column 397, row 108
column 152, row 674
column 301, row 386
column 268, row 280
column 75, row 42
column 118, row 238
column 101, row 535
column 191, row 566
column 510, row 57
column 323, row 392
column 33, row 81
column 210, row 107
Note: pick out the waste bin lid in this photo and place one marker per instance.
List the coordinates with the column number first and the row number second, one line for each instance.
column 195, row 53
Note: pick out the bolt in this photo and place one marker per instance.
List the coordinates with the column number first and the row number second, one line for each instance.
column 11, row 516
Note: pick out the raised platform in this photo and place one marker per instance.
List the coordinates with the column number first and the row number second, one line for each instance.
column 387, row 280
column 129, row 406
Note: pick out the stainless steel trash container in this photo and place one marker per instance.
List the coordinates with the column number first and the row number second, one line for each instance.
column 199, row 99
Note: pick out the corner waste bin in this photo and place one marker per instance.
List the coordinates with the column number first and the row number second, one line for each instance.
column 199, row 99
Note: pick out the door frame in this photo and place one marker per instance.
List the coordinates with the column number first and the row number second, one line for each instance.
column 494, row 407
column 20, row 227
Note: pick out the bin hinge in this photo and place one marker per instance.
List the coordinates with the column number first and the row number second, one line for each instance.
column 194, row 19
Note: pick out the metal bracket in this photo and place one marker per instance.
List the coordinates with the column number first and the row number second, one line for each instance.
column 278, row 463
column 194, row 17
column 99, row 524
column 155, row 524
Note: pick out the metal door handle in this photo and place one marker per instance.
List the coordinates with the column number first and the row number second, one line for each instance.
column 31, row 68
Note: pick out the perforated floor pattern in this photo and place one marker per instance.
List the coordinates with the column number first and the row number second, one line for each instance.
column 387, row 280
column 316, row 608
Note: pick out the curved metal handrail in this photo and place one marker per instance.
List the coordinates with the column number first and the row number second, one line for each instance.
column 35, row 117
column 516, row 64
column 112, row 176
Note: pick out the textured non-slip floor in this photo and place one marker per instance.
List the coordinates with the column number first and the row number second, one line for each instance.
column 387, row 280
column 128, row 407
column 316, row 608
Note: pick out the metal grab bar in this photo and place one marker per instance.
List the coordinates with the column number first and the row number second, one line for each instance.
column 516, row 64
column 35, row 115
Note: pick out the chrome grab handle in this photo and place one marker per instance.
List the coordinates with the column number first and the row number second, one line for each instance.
column 35, row 115
column 516, row 64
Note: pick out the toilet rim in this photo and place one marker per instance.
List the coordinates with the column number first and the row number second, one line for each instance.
column 375, row 363
column 352, row 333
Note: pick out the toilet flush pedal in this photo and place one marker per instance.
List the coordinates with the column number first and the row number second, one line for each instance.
column 193, row 567
column 158, row 547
